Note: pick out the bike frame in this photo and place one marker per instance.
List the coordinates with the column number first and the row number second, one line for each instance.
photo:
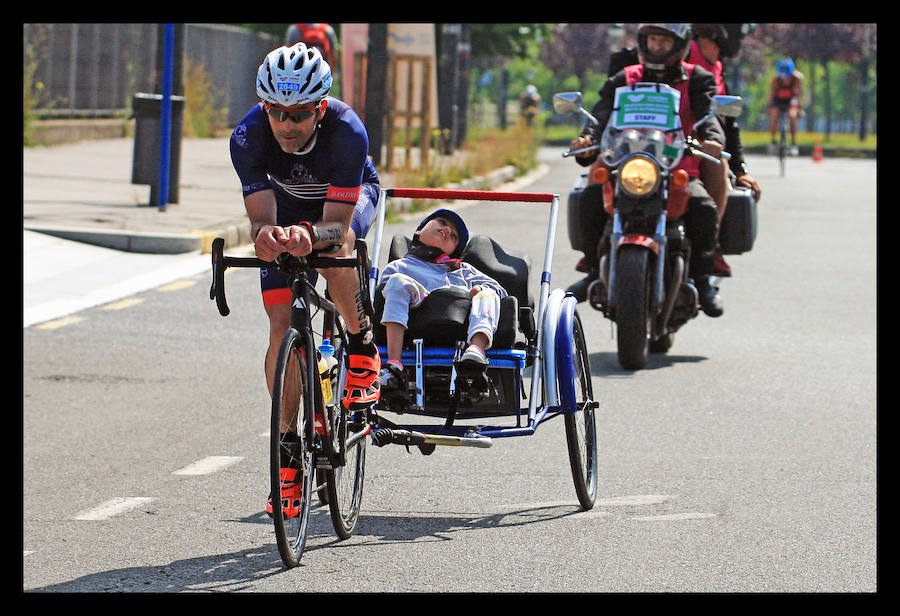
column 784, row 123
column 304, row 296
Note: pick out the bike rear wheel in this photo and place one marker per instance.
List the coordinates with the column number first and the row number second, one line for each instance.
column 291, row 447
column 581, row 427
column 782, row 146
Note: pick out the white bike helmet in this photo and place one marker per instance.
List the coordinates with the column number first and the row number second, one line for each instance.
column 293, row 75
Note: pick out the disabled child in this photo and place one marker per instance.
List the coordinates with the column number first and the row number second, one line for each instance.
column 431, row 263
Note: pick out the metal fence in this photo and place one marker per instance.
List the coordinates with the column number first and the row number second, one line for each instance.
column 93, row 70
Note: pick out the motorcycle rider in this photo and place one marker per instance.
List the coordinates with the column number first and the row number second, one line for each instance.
column 662, row 49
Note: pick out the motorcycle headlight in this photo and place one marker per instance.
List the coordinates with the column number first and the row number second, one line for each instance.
column 638, row 177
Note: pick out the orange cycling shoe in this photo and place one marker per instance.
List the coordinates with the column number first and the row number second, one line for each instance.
column 290, row 494
column 362, row 387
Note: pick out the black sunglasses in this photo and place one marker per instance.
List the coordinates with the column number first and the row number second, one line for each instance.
column 294, row 115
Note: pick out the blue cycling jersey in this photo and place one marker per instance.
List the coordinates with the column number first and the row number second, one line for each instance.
column 333, row 167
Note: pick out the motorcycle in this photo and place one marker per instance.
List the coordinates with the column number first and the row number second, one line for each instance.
column 645, row 285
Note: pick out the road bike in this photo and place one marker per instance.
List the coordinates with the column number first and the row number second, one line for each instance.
column 324, row 443
column 783, row 150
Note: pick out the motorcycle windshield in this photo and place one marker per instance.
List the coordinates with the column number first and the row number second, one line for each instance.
column 666, row 147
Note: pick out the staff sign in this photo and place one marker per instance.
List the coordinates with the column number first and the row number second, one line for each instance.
column 649, row 105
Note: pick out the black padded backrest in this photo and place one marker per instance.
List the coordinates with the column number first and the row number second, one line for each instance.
column 511, row 268
column 399, row 247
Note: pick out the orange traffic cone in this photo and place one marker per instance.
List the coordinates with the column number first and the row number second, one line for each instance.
column 817, row 152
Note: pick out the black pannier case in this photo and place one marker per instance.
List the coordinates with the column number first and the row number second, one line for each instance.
column 737, row 231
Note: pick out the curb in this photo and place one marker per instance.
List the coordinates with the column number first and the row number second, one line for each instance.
column 200, row 240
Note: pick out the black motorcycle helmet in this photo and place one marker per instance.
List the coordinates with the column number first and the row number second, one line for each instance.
column 727, row 36
column 680, row 32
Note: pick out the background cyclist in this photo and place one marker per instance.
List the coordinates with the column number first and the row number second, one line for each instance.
column 307, row 181
column 784, row 97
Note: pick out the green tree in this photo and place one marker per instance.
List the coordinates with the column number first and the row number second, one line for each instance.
column 581, row 49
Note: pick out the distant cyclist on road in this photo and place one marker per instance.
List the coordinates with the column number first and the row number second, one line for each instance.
column 307, row 181
column 784, row 97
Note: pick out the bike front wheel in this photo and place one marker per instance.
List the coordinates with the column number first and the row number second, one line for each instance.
column 291, row 454
column 345, row 486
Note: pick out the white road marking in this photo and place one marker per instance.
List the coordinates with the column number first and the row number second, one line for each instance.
column 208, row 465
column 670, row 517
column 631, row 500
column 113, row 507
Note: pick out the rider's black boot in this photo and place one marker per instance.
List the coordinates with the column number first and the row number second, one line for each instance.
column 579, row 289
column 710, row 301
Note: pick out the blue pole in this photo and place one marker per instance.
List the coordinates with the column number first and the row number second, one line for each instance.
column 165, row 137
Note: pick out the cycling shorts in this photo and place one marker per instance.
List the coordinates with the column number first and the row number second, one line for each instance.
column 782, row 104
column 276, row 286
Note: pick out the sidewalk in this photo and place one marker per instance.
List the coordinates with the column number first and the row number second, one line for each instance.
column 83, row 192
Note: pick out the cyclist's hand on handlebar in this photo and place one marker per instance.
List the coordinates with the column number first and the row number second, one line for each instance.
column 296, row 241
column 269, row 242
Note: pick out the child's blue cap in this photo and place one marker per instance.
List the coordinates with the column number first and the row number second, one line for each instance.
column 461, row 228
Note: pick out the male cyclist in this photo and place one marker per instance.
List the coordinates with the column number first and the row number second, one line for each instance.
column 662, row 48
column 307, row 181
column 784, row 97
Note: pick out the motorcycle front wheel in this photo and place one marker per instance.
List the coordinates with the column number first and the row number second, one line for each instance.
column 633, row 317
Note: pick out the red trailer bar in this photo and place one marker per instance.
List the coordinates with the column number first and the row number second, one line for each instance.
column 475, row 195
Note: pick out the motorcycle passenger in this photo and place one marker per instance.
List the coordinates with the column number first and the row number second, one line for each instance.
column 712, row 43
column 784, row 97
column 307, row 182
column 662, row 49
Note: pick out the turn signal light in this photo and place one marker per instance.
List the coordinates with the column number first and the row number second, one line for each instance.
column 680, row 178
column 601, row 175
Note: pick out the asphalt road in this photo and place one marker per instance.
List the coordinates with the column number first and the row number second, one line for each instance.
column 743, row 460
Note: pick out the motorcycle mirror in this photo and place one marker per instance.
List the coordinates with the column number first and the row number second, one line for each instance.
column 567, row 102
column 722, row 105
column 728, row 106
column 570, row 102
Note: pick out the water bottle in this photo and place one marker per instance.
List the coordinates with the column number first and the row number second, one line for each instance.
column 327, row 371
